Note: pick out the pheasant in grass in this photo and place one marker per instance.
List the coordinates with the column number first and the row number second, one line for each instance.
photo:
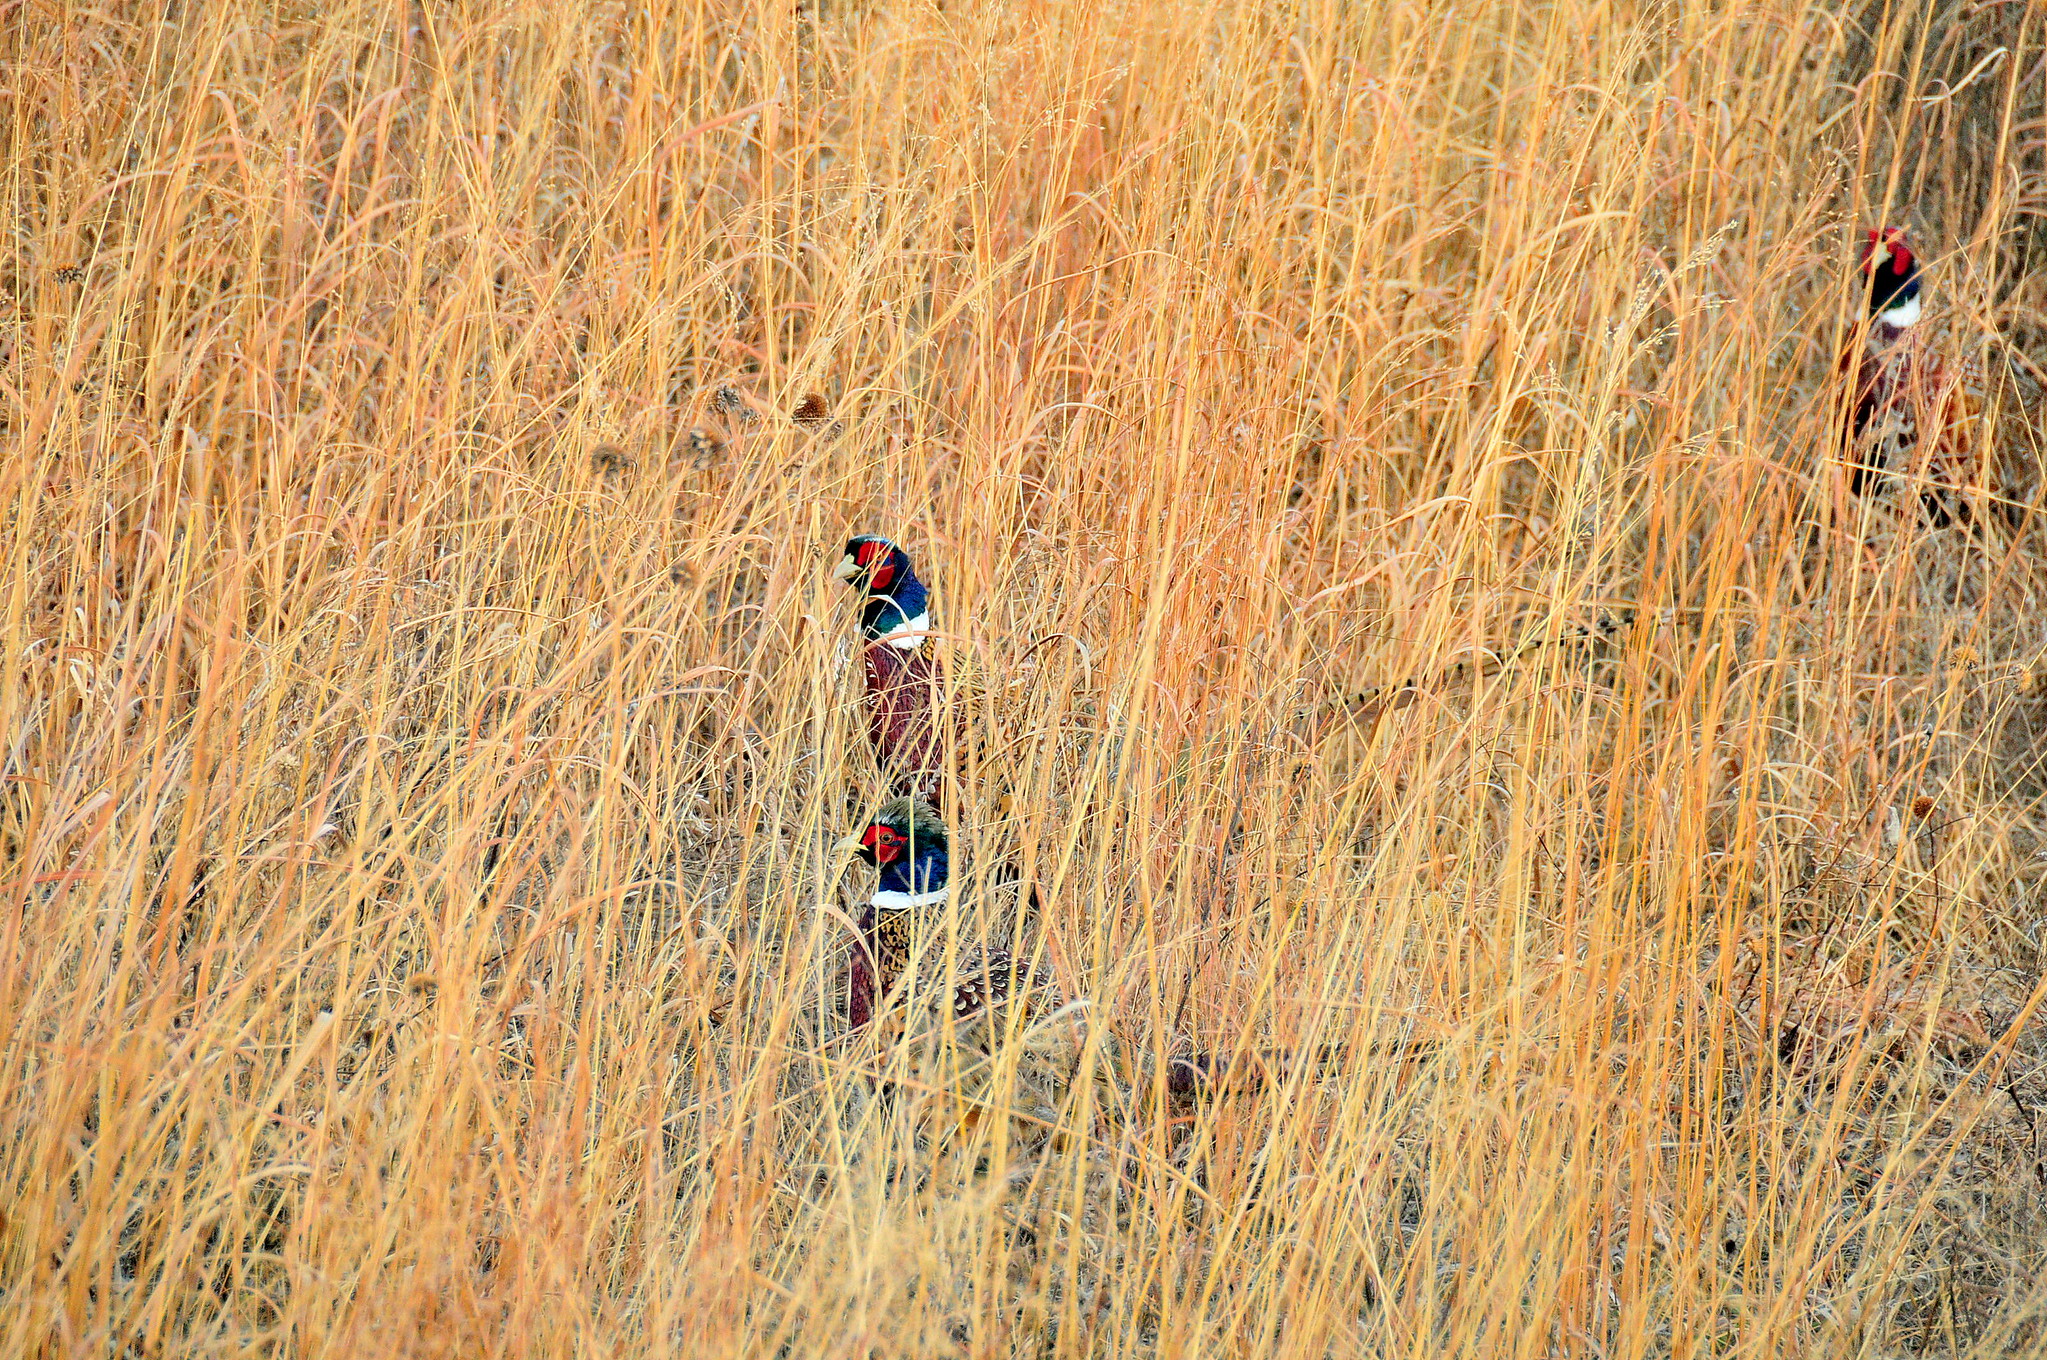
column 906, row 841
column 904, row 677
column 1916, row 411
column 902, row 927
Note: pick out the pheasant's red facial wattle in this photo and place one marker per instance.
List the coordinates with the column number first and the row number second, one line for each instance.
column 881, row 566
column 885, row 843
column 871, row 558
column 1887, row 247
column 1892, row 274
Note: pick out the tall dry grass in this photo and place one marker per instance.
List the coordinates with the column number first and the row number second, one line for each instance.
column 426, row 717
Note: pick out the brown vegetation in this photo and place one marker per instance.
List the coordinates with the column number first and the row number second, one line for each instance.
column 425, row 710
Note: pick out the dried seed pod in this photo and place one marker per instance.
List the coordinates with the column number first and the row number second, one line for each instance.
column 730, row 402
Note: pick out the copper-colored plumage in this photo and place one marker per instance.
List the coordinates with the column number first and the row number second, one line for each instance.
column 902, row 697
column 985, row 980
column 976, row 996
column 1915, row 416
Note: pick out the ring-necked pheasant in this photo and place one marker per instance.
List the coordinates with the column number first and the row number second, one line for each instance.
column 904, row 679
column 903, row 926
column 1916, row 411
column 906, row 842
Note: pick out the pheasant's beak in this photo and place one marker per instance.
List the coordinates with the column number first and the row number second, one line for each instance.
column 847, row 568
column 848, row 846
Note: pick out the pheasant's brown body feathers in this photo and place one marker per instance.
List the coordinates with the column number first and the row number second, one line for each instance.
column 1918, row 418
column 902, row 698
column 918, row 717
column 984, row 980
column 987, row 980
column 864, row 986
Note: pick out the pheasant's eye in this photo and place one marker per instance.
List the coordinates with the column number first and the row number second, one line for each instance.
column 884, row 843
column 863, row 554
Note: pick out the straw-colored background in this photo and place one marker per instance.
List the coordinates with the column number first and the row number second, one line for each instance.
column 425, row 719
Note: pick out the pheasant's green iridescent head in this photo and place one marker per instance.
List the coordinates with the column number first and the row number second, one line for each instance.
column 903, row 826
column 896, row 605
column 906, row 841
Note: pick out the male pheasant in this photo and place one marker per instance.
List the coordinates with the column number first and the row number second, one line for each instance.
column 905, row 680
column 1916, row 411
column 906, row 841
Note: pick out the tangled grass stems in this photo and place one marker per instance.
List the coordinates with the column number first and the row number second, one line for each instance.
column 426, row 711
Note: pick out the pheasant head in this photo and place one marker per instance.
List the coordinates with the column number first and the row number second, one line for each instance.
column 895, row 605
column 905, row 840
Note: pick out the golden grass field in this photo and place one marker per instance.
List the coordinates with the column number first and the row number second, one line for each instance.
column 1373, row 461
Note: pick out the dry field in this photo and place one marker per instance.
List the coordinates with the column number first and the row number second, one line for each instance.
column 1373, row 462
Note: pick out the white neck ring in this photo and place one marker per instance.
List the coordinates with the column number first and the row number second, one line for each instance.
column 897, row 901
column 1900, row 316
column 916, row 628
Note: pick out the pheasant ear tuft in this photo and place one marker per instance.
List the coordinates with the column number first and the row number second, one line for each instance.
column 913, row 813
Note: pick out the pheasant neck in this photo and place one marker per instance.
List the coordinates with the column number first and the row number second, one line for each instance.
column 1900, row 315
column 905, row 610
column 906, row 883
column 885, row 900
column 909, row 635
column 1890, row 326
